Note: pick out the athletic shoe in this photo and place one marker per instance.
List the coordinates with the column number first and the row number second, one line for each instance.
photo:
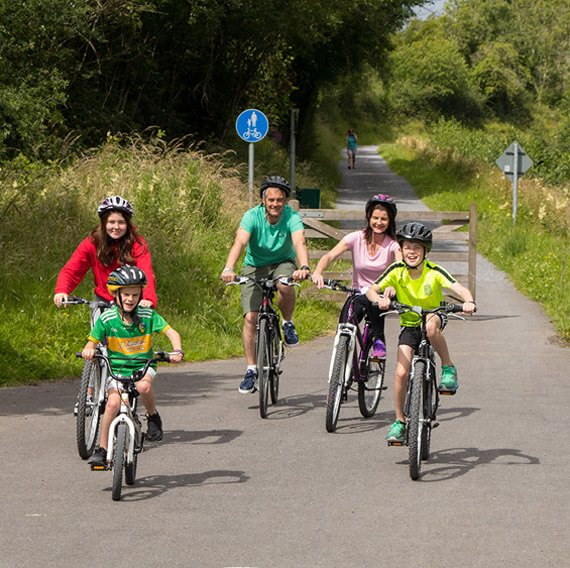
column 98, row 457
column 397, row 432
column 290, row 334
column 247, row 385
column 88, row 406
column 378, row 349
column 448, row 379
column 153, row 427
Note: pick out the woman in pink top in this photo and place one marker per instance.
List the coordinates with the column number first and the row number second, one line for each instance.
column 373, row 249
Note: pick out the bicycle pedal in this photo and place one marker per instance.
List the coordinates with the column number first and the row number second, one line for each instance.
column 393, row 443
column 95, row 467
column 434, row 424
column 446, row 392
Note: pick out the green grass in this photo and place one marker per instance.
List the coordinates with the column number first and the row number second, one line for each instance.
column 535, row 257
column 187, row 206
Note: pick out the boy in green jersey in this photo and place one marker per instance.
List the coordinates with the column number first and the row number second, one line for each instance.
column 417, row 282
column 128, row 329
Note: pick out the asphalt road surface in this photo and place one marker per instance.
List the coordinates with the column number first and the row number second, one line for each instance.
column 226, row 488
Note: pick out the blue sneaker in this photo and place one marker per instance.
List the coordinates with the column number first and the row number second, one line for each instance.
column 248, row 383
column 290, row 334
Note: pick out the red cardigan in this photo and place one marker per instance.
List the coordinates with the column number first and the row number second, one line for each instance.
column 85, row 257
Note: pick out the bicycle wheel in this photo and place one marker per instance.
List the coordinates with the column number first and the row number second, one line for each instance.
column 276, row 355
column 131, row 470
column 87, row 425
column 263, row 367
column 430, row 408
column 119, row 460
column 415, row 421
column 370, row 391
column 336, row 386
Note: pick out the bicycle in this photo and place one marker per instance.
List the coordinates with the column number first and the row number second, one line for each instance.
column 351, row 363
column 422, row 396
column 93, row 378
column 126, row 438
column 268, row 339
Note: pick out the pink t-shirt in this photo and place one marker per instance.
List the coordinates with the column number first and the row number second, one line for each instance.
column 366, row 268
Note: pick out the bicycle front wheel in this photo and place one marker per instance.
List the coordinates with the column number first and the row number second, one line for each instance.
column 88, row 414
column 336, row 386
column 263, row 366
column 276, row 355
column 370, row 391
column 416, row 423
column 119, row 460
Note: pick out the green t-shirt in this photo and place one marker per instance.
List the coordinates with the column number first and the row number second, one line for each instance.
column 425, row 291
column 128, row 345
column 270, row 244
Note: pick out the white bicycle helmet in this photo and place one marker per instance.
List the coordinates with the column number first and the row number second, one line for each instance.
column 115, row 203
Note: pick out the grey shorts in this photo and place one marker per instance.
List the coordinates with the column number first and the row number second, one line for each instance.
column 251, row 295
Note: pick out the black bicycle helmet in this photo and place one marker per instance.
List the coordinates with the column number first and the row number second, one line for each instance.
column 115, row 203
column 124, row 276
column 416, row 232
column 275, row 181
column 381, row 199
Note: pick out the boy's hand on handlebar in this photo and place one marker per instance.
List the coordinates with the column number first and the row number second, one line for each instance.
column 469, row 307
column 88, row 353
column 176, row 356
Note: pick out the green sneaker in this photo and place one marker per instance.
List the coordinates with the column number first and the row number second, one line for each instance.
column 397, row 432
column 448, row 379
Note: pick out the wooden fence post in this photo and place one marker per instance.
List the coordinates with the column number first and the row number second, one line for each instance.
column 472, row 275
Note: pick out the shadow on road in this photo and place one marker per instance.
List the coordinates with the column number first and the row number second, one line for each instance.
column 454, row 462
column 155, row 485
column 200, row 437
column 293, row 406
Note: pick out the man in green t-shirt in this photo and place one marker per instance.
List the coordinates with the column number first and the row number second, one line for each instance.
column 274, row 238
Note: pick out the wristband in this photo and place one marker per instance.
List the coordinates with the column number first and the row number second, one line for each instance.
column 179, row 351
column 305, row 267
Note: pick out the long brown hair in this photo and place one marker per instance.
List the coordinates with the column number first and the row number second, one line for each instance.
column 109, row 250
column 390, row 231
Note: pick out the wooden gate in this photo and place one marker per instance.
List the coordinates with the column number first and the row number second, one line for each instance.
column 455, row 237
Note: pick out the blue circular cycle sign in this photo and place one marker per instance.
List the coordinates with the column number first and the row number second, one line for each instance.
column 252, row 125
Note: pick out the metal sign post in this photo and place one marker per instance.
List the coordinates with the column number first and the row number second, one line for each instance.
column 514, row 162
column 252, row 126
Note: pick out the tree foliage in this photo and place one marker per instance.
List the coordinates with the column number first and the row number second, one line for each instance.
column 187, row 66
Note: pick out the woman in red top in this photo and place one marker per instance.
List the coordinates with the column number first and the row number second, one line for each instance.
column 111, row 244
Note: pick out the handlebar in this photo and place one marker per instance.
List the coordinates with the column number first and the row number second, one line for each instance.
column 443, row 308
column 76, row 300
column 336, row 285
column 159, row 356
column 264, row 282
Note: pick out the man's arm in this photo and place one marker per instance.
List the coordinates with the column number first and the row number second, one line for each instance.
column 300, row 246
column 240, row 242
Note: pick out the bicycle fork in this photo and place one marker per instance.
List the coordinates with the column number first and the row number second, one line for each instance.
column 344, row 330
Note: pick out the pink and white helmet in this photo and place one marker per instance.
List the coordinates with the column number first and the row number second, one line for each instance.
column 115, row 203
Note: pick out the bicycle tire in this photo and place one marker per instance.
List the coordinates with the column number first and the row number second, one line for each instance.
column 336, row 386
column 87, row 426
column 276, row 356
column 131, row 470
column 119, row 460
column 370, row 391
column 430, row 408
column 415, row 421
column 263, row 367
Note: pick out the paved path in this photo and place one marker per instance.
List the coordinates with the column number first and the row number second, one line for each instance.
column 226, row 488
